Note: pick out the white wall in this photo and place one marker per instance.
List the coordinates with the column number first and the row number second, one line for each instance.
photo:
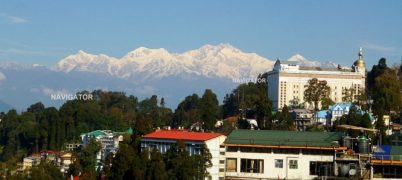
column 269, row 165
column 214, row 148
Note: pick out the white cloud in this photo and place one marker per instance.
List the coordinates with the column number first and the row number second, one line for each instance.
column 378, row 47
column 2, row 77
column 5, row 53
column 13, row 19
column 17, row 20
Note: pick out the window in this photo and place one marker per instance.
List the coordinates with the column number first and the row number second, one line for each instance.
column 231, row 165
column 222, row 153
column 278, row 163
column 321, row 168
column 252, row 165
column 246, row 149
column 292, row 164
column 231, row 149
column 221, row 161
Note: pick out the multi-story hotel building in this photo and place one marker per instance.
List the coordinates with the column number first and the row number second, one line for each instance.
column 287, row 81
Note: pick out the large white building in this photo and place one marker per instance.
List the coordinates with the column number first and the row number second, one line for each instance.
column 287, row 81
column 163, row 139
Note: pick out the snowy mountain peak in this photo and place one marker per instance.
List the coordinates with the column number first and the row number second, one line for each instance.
column 218, row 48
column 142, row 52
column 297, row 57
column 302, row 61
column 82, row 52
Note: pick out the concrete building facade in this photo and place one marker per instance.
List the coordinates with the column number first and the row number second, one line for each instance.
column 269, row 154
column 287, row 81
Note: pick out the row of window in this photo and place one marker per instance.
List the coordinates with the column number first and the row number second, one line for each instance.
column 163, row 147
column 257, row 166
column 246, row 165
column 292, row 164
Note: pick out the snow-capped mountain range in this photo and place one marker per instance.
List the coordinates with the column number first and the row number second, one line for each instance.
column 141, row 72
column 222, row 61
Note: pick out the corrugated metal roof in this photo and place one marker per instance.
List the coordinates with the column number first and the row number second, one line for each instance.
column 284, row 138
column 387, row 152
column 95, row 133
column 396, row 150
column 98, row 133
column 129, row 132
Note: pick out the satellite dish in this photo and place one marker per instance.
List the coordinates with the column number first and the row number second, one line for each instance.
column 352, row 172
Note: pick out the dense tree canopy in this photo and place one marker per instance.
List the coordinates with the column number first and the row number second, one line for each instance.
column 209, row 109
column 42, row 128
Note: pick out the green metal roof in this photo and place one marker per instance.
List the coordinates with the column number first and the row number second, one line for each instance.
column 396, row 150
column 95, row 133
column 283, row 138
column 129, row 132
column 105, row 132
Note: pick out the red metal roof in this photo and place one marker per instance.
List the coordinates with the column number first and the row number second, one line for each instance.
column 74, row 178
column 182, row 135
column 49, row 151
column 232, row 118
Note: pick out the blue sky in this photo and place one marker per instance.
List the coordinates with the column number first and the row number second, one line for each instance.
column 46, row 31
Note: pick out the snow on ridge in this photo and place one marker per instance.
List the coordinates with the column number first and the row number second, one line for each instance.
column 302, row 61
column 222, row 60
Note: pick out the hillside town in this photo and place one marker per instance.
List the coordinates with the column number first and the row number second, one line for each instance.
column 299, row 123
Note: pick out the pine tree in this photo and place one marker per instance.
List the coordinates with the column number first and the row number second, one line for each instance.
column 156, row 169
column 353, row 118
column 365, row 121
column 204, row 162
column 45, row 171
column 122, row 162
column 285, row 120
column 209, row 109
column 87, row 159
column 388, row 89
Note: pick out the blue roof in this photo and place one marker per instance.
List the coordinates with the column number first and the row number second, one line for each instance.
column 383, row 150
column 387, row 152
column 322, row 114
column 343, row 105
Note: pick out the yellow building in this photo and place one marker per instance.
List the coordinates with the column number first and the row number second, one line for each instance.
column 30, row 161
